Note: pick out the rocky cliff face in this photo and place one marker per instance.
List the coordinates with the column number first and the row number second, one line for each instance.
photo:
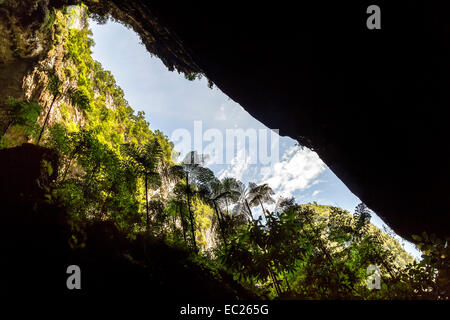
column 32, row 51
column 23, row 43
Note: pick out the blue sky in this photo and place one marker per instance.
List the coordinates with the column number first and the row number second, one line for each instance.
column 171, row 103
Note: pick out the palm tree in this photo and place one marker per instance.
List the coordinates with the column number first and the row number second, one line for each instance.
column 230, row 191
column 55, row 88
column 211, row 193
column 260, row 194
column 146, row 159
column 242, row 202
column 77, row 98
column 175, row 174
column 196, row 177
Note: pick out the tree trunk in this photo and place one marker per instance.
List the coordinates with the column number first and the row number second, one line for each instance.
column 221, row 215
column 191, row 217
column 226, row 203
column 249, row 210
column 146, row 203
column 287, row 282
column 220, row 223
column 46, row 120
column 183, row 226
column 275, row 283
column 67, row 168
column 8, row 126
column 264, row 211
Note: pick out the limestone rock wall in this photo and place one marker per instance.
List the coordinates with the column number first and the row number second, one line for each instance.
column 31, row 50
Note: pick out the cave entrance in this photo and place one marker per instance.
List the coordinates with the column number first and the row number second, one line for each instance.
column 188, row 108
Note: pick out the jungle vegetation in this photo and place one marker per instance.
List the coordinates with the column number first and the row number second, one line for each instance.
column 113, row 168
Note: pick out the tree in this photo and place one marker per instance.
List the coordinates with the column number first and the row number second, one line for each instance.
column 242, row 204
column 211, row 193
column 362, row 213
column 55, row 87
column 78, row 97
column 146, row 159
column 196, row 178
column 260, row 194
column 179, row 206
column 230, row 191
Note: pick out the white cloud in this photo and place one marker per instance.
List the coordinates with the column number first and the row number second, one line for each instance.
column 297, row 171
column 318, row 181
column 239, row 165
column 316, row 192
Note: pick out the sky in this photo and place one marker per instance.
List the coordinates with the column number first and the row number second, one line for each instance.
column 179, row 107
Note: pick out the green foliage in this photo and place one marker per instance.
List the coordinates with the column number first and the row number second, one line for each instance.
column 81, row 98
column 50, row 18
column 21, row 122
column 430, row 278
column 98, row 178
column 54, row 84
column 316, row 252
column 193, row 76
